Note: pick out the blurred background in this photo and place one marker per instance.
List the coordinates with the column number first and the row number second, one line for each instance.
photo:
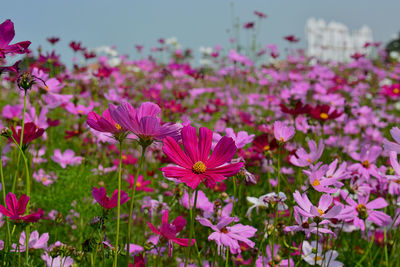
column 124, row 24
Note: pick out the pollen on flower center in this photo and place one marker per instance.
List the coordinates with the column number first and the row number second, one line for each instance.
column 366, row 164
column 118, row 126
column 323, row 115
column 224, row 230
column 316, row 183
column 199, row 167
column 123, row 157
column 267, row 147
column 309, row 160
column 80, row 111
column 320, row 212
column 396, row 91
column 318, row 258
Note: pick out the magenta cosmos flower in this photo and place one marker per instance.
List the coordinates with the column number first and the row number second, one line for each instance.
column 145, row 122
column 195, row 164
column 104, row 123
column 100, row 195
column 364, row 210
column 16, row 209
column 229, row 236
column 282, row 132
column 7, row 33
column 323, row 211
column 170, row 230
column 302, row 158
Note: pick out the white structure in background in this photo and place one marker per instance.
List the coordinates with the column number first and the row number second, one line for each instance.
column 334, row 41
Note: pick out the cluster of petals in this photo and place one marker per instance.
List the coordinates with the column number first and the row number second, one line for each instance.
column 195, row 164
column 303, row 158
column 229, row 236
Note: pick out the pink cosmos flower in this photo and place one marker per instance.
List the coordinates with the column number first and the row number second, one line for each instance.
column 16, row 209
column 141, row 183
column 282, row 132
column 364, row 210
column 169, row 231
column 195, row 165
column 12, row 112
column 7, row 33
column 57, row 261
column 241, row 139
column 302, row 158
column 367, row 157
column 45, row 178
column 79, row 109
column 66, row 158
column 144, row 122
column 321, row 183
column 393, row 146
column 323, row 211
column 100, row 195
column 394, row 186
column 308, row 228
column 202, row 203
column 103, row 123
column 35, row 241
column 229, row 236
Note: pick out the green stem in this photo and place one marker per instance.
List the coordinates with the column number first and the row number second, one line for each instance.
column 191, row 234
column 4, row 198
column 119, row 204
column 279, row 170
column 227, row 257
column 20, row 142
column 132, row 202
column 316, row 253
column 28, row 193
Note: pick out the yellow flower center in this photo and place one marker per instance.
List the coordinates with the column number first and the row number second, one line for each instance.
column 317, row 258
column 309, row 160
column 320, row 212
column 123, row 157
column 396, row 91
column 199, row 167
column 44, row 179
column 46, row 88
column 282, row 140
column 316, row 183
column 366, row 164
column 267, row 147
column 323, row 116
column 138, row 184
column 118, row 126
column 80, row 111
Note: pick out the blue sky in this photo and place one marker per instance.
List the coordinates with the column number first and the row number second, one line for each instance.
column 194, row 23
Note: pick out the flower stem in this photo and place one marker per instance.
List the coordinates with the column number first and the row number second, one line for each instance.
column 316, row 253
column 234, row 196
column 132, row 202
column 118, row 204
column 227, row 257
column 279, row 170
column 191, row 234
column 4, row 198
column 20, row 142
column 28, row 193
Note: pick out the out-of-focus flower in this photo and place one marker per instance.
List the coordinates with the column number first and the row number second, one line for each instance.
column 100, row 195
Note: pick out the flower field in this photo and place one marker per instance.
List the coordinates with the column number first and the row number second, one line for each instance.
column 159, row 162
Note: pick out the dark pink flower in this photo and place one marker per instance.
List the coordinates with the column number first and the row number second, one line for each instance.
column 7, row 33
column 103, row 123
column 16, row 209
column 145, row 122
column 141, row 184
column 195, row 164
column 169, row 231
column 100, row 195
